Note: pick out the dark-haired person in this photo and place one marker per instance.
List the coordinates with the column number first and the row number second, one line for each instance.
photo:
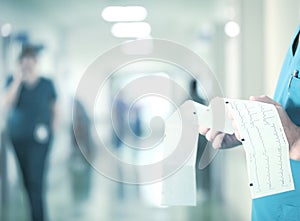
column 283, row 206
column 30, row 102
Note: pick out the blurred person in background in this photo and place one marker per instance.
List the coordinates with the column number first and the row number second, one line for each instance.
column 118, row 136
column 30, row 102
column 81, row 150
column 119, row 115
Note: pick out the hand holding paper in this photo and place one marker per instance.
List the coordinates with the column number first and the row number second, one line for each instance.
column 292, row 131
column 218, row 131
column 263, row 138
column 266, row 146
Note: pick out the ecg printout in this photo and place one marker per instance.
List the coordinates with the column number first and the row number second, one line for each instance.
column 265, row 144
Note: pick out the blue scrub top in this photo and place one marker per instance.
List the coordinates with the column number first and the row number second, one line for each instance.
column 285, row 206
column 33, row 107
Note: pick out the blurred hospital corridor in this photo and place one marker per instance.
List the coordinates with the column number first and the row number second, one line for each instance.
column 100, row 199
column 93, row 120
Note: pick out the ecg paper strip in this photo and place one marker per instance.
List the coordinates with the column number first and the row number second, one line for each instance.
column 266, row 146
column 179, row 189
column 264, row 141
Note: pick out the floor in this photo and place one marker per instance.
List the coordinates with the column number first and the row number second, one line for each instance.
column 75, row 192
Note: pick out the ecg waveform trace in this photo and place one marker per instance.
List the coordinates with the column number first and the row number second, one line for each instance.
column 266, row 146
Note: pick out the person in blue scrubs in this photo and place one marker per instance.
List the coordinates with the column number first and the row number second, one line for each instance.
column 30, row 102
column 283, row 206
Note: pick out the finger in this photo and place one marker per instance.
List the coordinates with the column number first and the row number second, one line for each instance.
column 203, row 130
column 236, row 131
column 264, row 98
column 211, row 135
column 234, row 125
column 230, row 116
column 208, row 135
column 217, row 142
column 294, row 154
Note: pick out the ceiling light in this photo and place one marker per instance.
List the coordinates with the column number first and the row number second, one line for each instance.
column 6, row 30
column 124, row 13
column 232, row 29
column 131, row 30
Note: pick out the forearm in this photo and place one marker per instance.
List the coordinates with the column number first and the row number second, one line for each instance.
column 12, row 94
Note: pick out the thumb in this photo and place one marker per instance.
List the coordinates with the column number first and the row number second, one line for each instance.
column 264, row 99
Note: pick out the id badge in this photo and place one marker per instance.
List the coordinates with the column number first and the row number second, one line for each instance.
column 41, row 133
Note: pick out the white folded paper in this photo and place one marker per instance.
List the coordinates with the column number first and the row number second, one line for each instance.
column 181, row 138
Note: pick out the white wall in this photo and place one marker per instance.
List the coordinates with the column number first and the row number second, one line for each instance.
column 247, row 65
